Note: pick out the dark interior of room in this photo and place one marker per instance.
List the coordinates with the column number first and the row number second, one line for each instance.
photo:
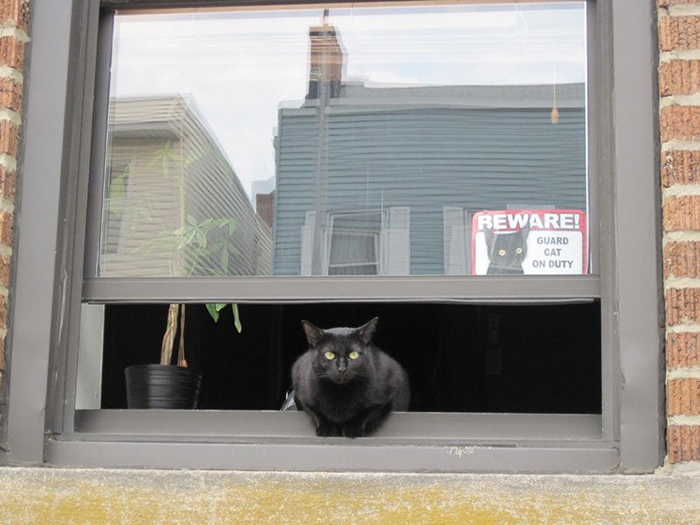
column 459, row 357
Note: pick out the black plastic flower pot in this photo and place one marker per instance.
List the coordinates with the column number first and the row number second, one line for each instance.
column 162, row 386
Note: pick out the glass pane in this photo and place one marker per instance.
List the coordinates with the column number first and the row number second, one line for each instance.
column 411, row 140
column 348, row 249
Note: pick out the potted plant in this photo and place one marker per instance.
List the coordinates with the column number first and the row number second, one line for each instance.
column 167, row 385
column 196, row 248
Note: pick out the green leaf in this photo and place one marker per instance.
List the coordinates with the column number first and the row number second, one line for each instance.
column 193, row 157
column 117, row 188
column 213, row 309
column 223, row 260
column 236, row 318
column 159, row 154
column 201, row 238
column 163, row 157
column 188, row 240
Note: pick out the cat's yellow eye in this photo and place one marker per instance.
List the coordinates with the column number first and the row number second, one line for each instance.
column 501, row 252
column 354, row 355
column 518, row 251
column 329, row 355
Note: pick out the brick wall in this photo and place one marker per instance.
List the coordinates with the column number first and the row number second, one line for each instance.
column 679, row 92
column 14, row 15
column 265, row 207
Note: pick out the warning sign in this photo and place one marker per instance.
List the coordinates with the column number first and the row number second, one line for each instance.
column 530, row 242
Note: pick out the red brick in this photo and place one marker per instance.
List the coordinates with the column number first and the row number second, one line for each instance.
column 679, row 32
column 683, row 443
column 666, row 3
column 3, row 312
column 682, row 350
column 10, row 94
column 682, row 213
column 5, row 271
column 679, row 77
column 682, row 306
column 683, row 397
column 8, row 180
column 265, row 207
column 11, row 52
column 680, row 123
column 9, row 138
column 14, row 13
column 682, row 259
column 680, row 167
column 6, row 219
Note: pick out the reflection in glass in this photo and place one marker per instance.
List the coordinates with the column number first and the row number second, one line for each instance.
column 348, row 142
column 354, row 244
column 173, row 205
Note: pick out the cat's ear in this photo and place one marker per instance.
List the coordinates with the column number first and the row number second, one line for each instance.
column 366, row 331
column 489, row 237
column 525, row 231
column 313, row 333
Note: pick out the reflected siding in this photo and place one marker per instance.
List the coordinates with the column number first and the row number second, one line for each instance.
column 165, row 166
column 429, row 149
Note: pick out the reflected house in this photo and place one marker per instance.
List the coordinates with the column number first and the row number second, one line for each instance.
column 384, row 180
column 169, row 183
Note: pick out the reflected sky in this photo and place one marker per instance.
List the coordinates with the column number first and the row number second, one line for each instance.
column 241, row 67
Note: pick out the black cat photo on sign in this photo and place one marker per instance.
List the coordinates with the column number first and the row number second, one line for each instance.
column 529, row 242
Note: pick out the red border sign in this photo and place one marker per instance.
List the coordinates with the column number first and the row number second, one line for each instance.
column 556, row 241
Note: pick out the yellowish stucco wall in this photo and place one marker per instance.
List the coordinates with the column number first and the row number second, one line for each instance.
column 48, row 496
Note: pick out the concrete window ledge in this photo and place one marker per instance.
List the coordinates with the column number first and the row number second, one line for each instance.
column 41, row 495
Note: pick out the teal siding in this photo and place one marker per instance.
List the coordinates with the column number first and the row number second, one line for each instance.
column 425, row 158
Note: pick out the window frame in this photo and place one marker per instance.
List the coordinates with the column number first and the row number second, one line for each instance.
column 63, row 138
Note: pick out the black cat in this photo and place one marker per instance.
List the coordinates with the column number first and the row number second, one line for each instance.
column 506, row 251
column 346, row 383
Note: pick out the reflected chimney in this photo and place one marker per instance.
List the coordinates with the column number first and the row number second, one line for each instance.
column 326, row 62
column 265, row 207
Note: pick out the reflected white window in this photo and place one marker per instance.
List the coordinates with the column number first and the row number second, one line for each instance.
column 354, row 244
column 358, row 243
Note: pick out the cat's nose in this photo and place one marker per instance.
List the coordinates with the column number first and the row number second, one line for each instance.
column 342, row 366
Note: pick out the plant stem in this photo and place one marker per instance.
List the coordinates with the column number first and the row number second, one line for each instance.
column 166, row 351
column 181, row 352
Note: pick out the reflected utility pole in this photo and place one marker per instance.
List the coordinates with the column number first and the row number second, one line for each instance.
column 325, row 76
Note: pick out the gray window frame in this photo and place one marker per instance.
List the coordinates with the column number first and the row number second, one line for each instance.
column 63, row 137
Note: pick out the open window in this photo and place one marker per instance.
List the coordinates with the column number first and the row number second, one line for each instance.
column 387, row 155
column 437, row 165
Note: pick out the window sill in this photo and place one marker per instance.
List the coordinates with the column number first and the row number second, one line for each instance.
column 409, row 442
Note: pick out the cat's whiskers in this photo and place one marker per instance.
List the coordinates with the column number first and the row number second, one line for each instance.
column 340, row 374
